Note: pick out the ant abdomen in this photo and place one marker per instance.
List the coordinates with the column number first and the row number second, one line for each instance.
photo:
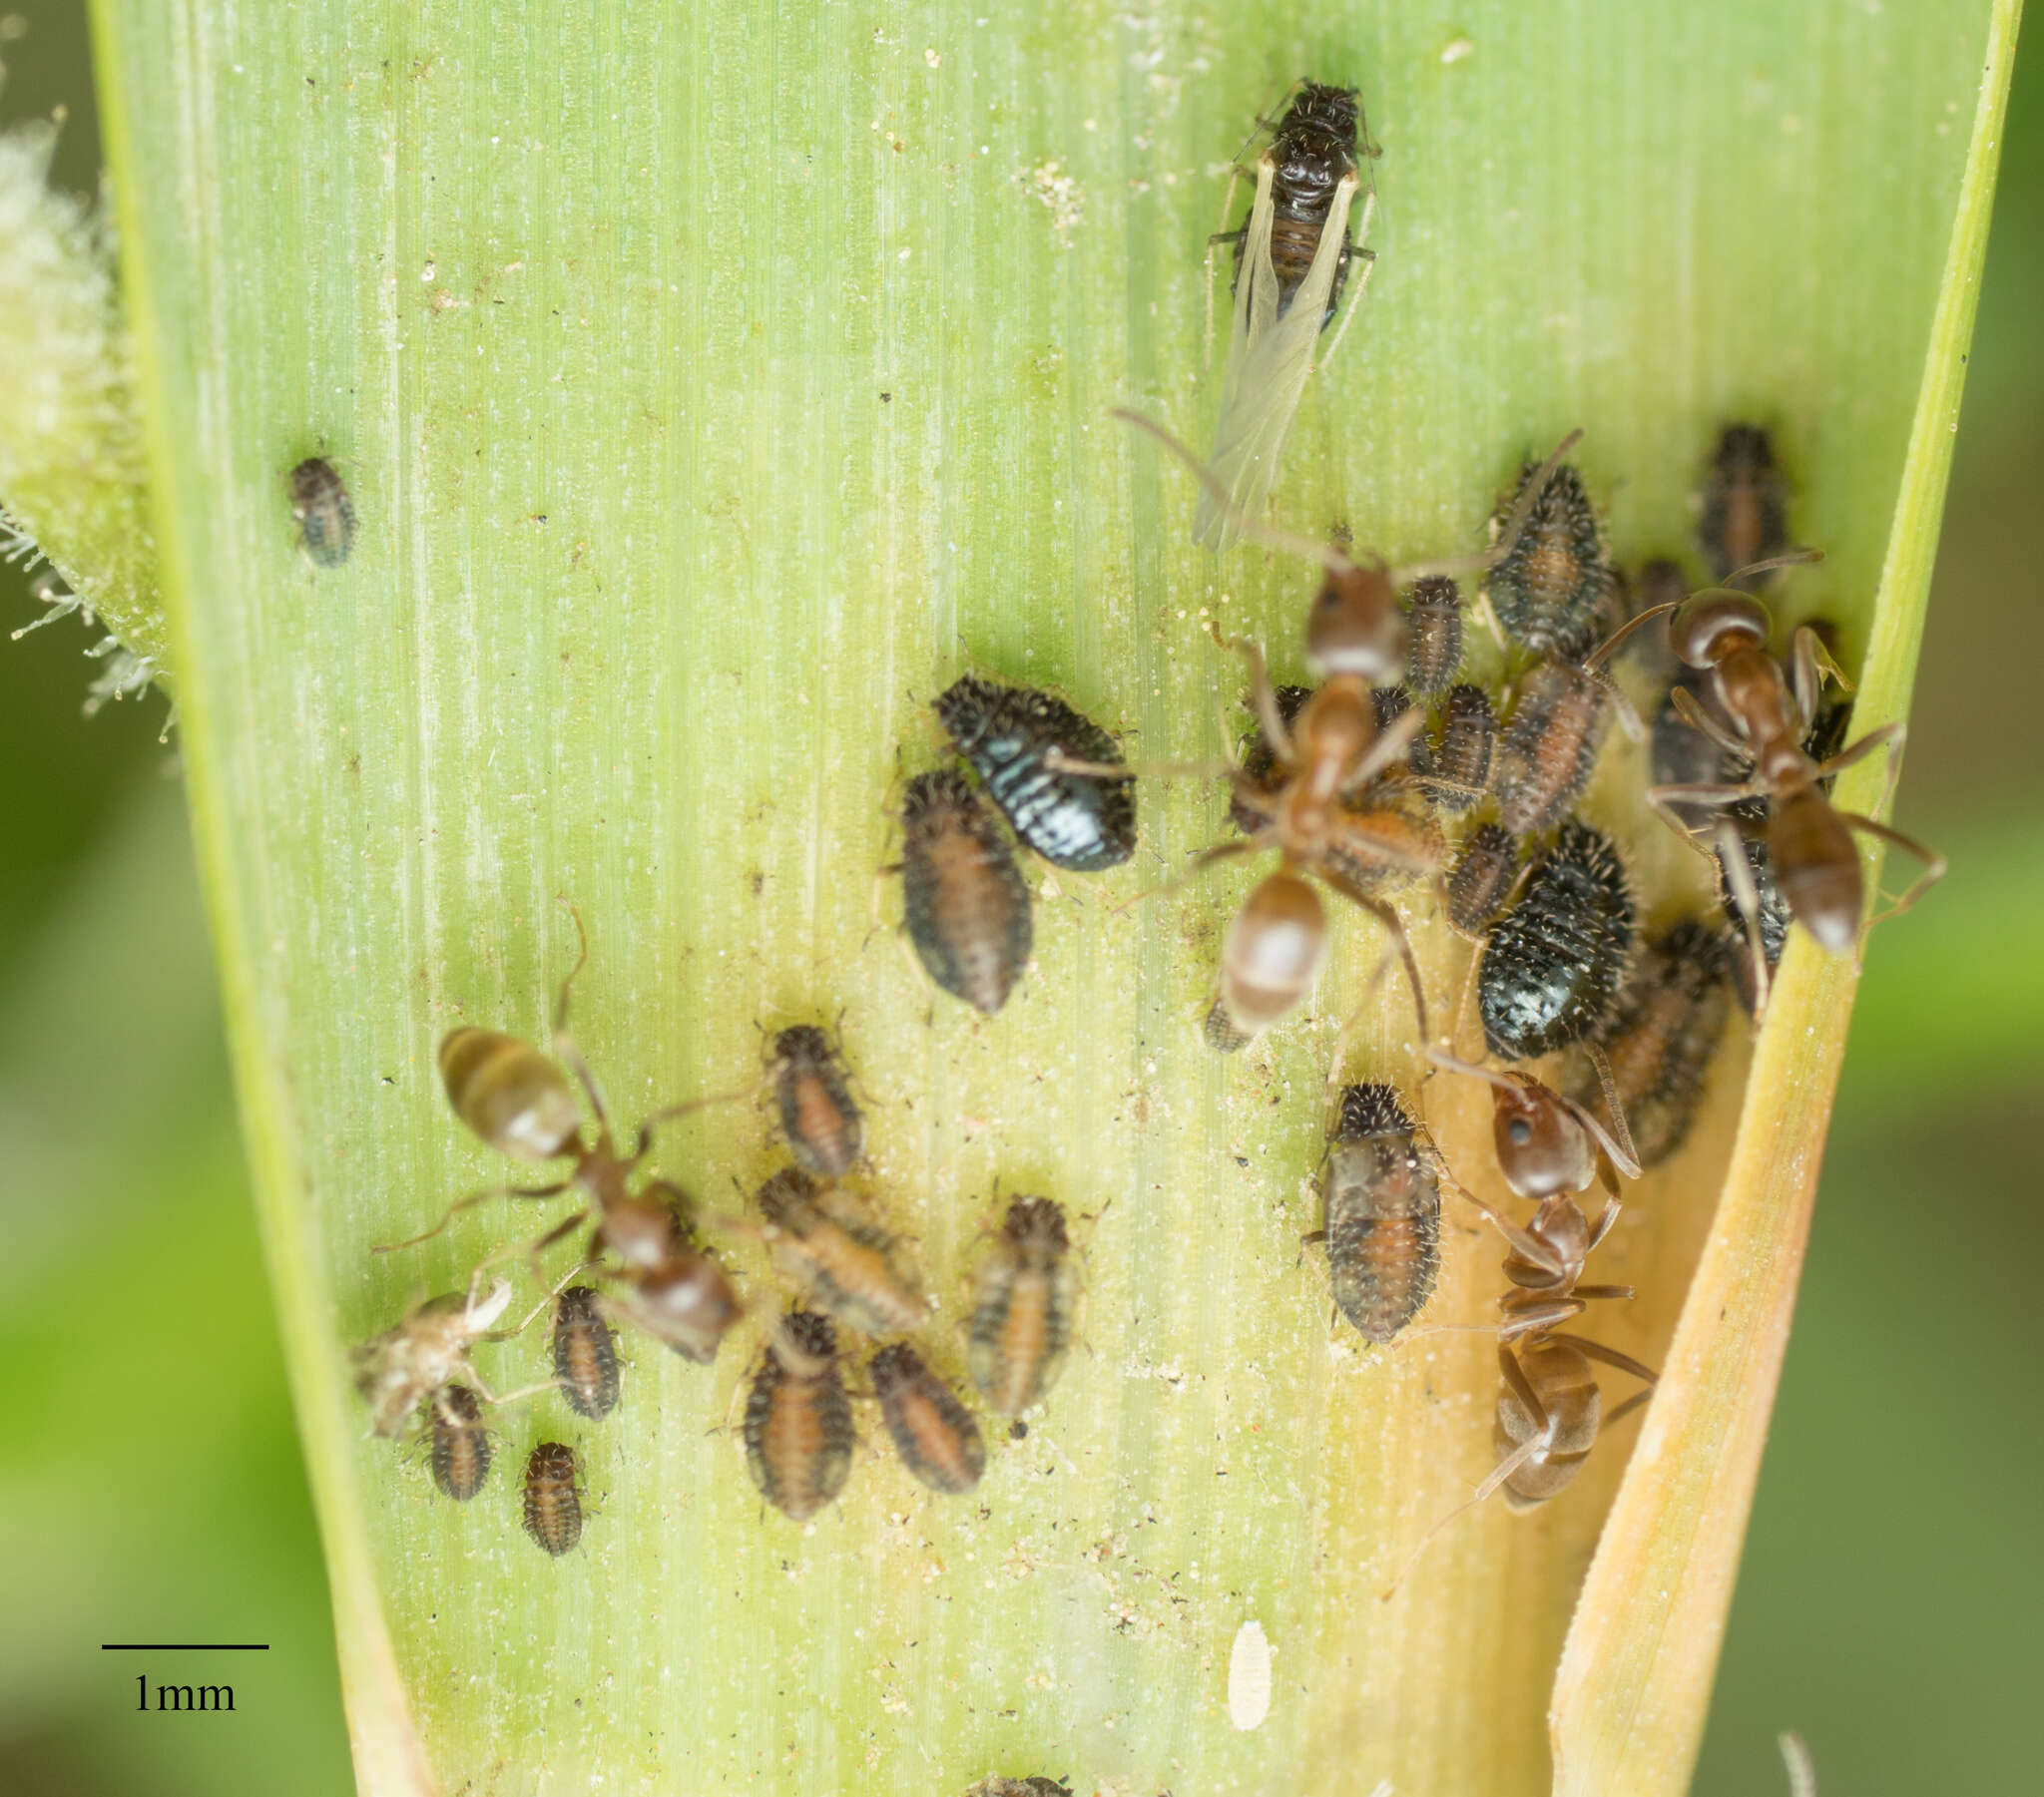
column 509, row 1093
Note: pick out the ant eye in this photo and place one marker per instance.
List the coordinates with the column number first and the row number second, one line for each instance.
column 1520, row 1131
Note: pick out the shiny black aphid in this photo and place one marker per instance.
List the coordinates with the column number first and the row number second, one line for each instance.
column 964, row 900
column 1745, row 516
column 1313, row 147
column 1382, row 1196
column 1549, row 593
column 1080, row 821
column 1552, row 968
column 326, row 513
column 1433, row 633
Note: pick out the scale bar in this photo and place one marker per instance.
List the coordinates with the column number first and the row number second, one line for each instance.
column 183, row 1646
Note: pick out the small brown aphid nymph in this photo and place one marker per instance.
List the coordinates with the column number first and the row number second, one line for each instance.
column 399, row 1369
column 934, row 1433
column 1383, row 1208
column 842, row 1260
column 584, row 1355
column 461, row 1449
column 1745, row 514
column 1458, row 769
column 813, row 1091
column 1022, row 1313
column 797, row 1427
column 553, row 1501
column 324, row 512
column 964, row 900
column 1481, row 879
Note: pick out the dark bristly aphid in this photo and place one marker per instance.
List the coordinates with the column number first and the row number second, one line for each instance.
column 1660, row 583
column 813, row 1090
column 1382, row 1225
column 461, row 1445
column 1550, row 588
column 1258, row 761
column 1292, row 258
column 585, row 1356
column 1745, row 515
column 407, row 1364
column 841, row 1259
column 1028, row 1288
column 1433, row 635
column 964, row 899
column 1481, row 879
column 553, row 1501
column 323, row 510
column 1555, row 963
column 934, row 1433
column 1021, row 1787
column 1660, row 1045
column 1022, row 743
column 797, row 1427
column 1458, row 764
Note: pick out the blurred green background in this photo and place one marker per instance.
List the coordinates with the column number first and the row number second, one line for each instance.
column 1893, row 1579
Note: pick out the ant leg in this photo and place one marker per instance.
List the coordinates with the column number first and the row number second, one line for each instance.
column 1934, row 865
column 1540, row 1316
column 560, row 1285
column 1507, row 538
column 1685, row 707
column 1390, row 746
column 1395, row 925
column 1890, row 735
column 1263, row 696
column 1737, row 872
column 474, row 1199
column 1528, row 1247
column 1663, row 799
column 1618, row 1413
column 564, row 1041
column 671, row 1113
column 1604, row 1292
column 531, row 1252
column 1221, row 851
column 1611, row 1357
column 1810, row 666
column 1370, row 993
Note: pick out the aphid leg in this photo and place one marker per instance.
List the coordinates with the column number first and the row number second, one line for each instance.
column 1538, row 1317
column 1934, row 865
column 1395, row 925
column 1686, row 707
column 473, row 1199
column 1745, row 894
column 1795, row 1760
column 1627, row 713
column 1486, row 614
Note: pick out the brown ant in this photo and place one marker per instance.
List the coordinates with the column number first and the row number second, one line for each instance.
column 1323, row 759
column 1550, row 1411
column 518, row 1102
column 1767, row 713
column 1546, row 1143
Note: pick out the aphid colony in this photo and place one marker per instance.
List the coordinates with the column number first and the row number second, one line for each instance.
column 1359, row 782
column 645, row 1265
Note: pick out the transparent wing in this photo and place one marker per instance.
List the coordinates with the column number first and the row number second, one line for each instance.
column 1268, row 360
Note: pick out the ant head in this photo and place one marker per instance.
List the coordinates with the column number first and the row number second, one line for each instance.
column 1355, row 628
column 1541, row 1149
column 1708, row 626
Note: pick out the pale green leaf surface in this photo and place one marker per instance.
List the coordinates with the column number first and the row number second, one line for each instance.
column 713, row 385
